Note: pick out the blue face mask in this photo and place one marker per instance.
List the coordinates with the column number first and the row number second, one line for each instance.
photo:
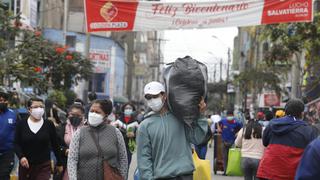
column 128, row 111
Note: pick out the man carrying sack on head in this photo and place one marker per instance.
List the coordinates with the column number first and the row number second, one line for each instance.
column 164, row 150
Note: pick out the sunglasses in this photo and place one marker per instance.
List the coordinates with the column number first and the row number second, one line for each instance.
column 149, row 96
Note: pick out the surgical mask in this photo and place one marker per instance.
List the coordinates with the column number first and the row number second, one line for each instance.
column 37, row 113
column 128, row 112
column 155, row 104
column 75, row 121
column 95, row 119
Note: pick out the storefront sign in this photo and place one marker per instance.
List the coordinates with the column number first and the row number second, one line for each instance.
column 271, row 100
column 100, row 60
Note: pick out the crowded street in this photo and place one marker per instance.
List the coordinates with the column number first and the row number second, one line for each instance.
column 159, row 90
column 217, row 176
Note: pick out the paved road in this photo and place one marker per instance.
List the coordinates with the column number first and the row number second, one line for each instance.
column 209, row 156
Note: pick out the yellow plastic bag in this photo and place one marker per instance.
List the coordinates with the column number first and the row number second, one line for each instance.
column 13, row 177
column 203, row 168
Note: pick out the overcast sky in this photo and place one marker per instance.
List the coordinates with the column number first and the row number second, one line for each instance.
column 205, row 45
column 201, row 44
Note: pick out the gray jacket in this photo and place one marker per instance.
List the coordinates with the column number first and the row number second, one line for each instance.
column 83, row 160
column 164, row 146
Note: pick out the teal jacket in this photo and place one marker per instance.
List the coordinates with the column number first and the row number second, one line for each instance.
column 164, row 146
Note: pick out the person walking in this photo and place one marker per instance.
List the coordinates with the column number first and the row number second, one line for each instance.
column 309, row 165
column 164, row 142
column 129, row 125
column 8, row 120
column 261, row 118
column 228, row 127
column 66, row 131
column 92, row 97
column 34, row 139
column 91, row 145
column 285, row 139
column 280, row 113
column 249, row 139
column 268, row 118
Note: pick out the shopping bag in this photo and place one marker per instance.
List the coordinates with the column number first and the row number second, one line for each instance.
column 202, row 168
column 136, row 174
column 234, row 162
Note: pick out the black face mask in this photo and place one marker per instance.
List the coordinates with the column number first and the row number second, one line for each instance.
column 75, row 121
column 3, row 107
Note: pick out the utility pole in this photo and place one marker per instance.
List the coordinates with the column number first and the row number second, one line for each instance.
column 228, row 64
column 130, row 69
column 227, row 81
column 15, row 7
column 160, row 60
column 159, row 56
column 214, row 73
column 87, row 53
column 41, row 18
column 221, row 70
column 65, row 21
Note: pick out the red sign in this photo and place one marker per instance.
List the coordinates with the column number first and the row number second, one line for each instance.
column 271, row 100
column 100, row 60
column 281, row 11
column 110, row 15
column 128, row 15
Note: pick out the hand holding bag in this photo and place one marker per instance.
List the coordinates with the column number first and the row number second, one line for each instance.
column 202, row 168
column 109, row 172
column 234, row 162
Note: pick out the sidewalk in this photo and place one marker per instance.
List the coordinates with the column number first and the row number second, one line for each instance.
column 209, row 156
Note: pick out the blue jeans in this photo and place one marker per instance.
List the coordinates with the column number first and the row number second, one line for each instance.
column 250, row 167
column 201, row 151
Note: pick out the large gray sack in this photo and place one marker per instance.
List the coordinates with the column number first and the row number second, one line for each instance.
column 186, row 83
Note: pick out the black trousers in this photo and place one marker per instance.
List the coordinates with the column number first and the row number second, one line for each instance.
column 6, row 164
column 226, row 147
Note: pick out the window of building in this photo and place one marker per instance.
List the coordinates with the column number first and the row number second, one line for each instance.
column 71, row 41
column 97, row 83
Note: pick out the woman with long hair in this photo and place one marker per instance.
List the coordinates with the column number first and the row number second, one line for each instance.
column 250, row 140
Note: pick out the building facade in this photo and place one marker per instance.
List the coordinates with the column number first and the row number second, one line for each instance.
column 107, row 56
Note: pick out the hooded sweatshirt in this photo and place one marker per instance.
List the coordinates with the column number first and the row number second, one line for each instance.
column 285, row 139
column 310, row 163
column 164, row 149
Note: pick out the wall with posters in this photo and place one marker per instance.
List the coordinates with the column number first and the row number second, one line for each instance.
column 106, row 55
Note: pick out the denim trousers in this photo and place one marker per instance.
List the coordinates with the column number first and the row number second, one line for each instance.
column 250, row 167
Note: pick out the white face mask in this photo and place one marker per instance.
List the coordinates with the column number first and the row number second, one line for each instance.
column 37, row 113
column 128, row 111
column 155, row 104
column 94, row 119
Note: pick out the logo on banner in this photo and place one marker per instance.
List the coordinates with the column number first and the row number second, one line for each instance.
column 109, row 15
column 286, row 11
column 109, row 11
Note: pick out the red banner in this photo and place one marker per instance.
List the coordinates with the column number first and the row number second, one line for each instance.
column 110, row 15
column 282, row 11
column 104, row 15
